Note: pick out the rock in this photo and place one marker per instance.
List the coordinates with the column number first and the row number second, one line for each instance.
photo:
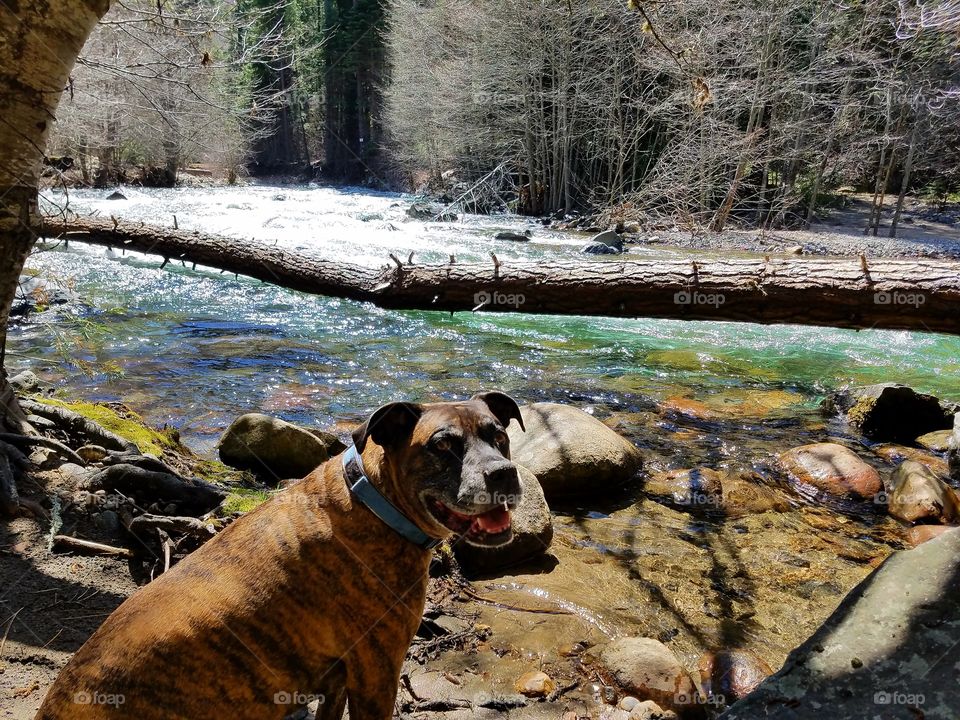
column 535, row 684
column 730, row 675
column 917, row 495
column 648, row 670
column 795, row 250
column 832, row 469
column 92, row 453
column 36, row 294
column 649, row 710
column 430, row 211
column 116, row 195
column 532, row 532
column 953, row 452
column 699, row 487
column 747, row 494
column 514, row 236
column 26, row 382
column 936, row 441
column 919, row 534
column 888, row 651
column 605, row 243
column 628, row 703
column 896, row 454
column 108, row 521
column 333, row 444
column 271, row 447
column 889, row 412
column 570, row 451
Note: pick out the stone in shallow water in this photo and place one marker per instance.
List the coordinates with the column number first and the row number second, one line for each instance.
column 896, row 454
column 694, row 488
column 648, row 670
column 917, row 495
column 729, row 675
column 936, row 441
column 920, row 534
column 889, row 412
column 535, row 684
column 832, row 469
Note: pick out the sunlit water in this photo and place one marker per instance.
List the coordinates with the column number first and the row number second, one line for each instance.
column 195, row 349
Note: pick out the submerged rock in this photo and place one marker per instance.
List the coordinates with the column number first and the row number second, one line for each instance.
column 695, row 488
column 532, row 532
column 896, row 454
column 890, row 412
column 570, row 451
column 274, row 447
column 535, row 683
column 917, row 495
column 889, row 650
column 730, row 675
column 832, row 469
column 647, row 669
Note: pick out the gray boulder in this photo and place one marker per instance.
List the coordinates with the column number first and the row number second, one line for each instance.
column 888, row 651
column 430, row 211
column 571, row 452
column 608, row 242
column 275, row 448
column 26, row 382
column 532, row 533
column 514, row 236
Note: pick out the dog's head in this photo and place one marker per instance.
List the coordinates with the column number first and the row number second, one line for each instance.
column 447, row 465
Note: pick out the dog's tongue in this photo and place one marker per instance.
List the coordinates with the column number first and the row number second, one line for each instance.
column 494, row 521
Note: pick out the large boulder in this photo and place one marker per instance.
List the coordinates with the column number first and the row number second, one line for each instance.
column 532, row 533
column 608, row 242
column 890, row 412
column 832, row 469
column 917, row 495
column 647, row 670
column 571, row 452
column 888, row 651
column 275, row 448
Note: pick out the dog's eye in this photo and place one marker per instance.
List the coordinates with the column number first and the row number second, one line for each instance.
column 502, row 440
column 447, row 445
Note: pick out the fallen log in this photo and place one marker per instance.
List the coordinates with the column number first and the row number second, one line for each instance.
column 914, row 294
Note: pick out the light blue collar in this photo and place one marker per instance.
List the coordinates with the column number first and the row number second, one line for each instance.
column 364, row 491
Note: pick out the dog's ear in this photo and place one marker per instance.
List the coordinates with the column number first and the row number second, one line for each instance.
column 503, row 407
column 389, row 425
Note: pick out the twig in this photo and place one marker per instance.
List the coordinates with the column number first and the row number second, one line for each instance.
column 509, row 606
column 78, row 545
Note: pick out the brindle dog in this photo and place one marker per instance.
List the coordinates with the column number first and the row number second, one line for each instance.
column 309, row 595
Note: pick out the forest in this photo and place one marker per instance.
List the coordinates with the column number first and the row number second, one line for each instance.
column 697, row 111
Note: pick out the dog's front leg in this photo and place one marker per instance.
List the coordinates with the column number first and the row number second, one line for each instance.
column 372, row 682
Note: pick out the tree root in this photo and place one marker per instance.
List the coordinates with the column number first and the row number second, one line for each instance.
column 30, row 440
column 192, row 498
column 79, row 429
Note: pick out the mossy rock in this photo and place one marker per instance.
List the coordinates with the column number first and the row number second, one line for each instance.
column 127, row 424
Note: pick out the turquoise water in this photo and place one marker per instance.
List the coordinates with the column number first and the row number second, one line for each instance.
column 194, row 349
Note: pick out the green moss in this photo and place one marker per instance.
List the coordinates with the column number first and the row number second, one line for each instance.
column 127, row 424
column 244, row 500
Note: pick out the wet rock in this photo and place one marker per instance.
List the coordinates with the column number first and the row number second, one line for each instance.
column 891, row 641
column 570, row 451
column 272, row 447
column 832, row 469
column 532, row 533
column 730, row 675
column 535, row 684
column 648, row 670
column 919, row 534
column 606, row 243
column 116, row 195
column 430, row 211
column 695, row 488
column 36, row 294
column 896, row 454
column 514, row 236
column 917, row 495
column 92, row 453
column 936, row 441
column 747, row 494
column 649, row 710
column 889, row 412
column 953, row 453
column 26, row 382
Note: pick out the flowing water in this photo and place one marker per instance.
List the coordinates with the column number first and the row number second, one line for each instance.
column 196, row 348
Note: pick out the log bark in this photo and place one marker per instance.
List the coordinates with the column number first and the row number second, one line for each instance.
column 914, row 294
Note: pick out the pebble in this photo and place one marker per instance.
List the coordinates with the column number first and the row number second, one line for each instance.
column 535, row 683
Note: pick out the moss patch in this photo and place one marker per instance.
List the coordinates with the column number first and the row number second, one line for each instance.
column 127, row 424
column 244, row 500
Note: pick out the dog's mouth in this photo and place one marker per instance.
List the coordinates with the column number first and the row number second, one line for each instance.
column 490, row 527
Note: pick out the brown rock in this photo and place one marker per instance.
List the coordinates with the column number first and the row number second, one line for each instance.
column 698, row 487
column 917, row 495
column 832, row 469
column 728, row 675
column 919, row 534
column 895, row 454
column 535, row 684
column 647, row 669
column 937, row 441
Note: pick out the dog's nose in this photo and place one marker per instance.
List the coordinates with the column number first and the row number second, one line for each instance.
column 503, row 479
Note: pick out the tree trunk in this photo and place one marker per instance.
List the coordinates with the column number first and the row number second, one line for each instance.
column 905, row 181
column 916, row 294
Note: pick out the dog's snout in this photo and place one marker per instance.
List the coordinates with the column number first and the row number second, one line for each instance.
column 503, row 478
